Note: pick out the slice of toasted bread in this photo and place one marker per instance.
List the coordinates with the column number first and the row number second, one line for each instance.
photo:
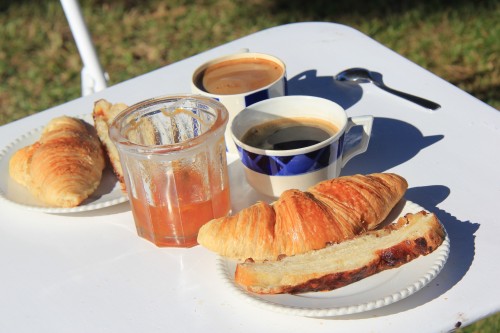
column 104, row 112
column 344, row 263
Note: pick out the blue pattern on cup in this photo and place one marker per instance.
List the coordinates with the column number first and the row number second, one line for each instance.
column 292, row 165
column 256, row 97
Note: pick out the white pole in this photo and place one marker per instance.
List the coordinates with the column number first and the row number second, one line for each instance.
column 93, row 76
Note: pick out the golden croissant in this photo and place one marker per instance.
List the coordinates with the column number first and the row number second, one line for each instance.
column 64, row 167
column 330, row 212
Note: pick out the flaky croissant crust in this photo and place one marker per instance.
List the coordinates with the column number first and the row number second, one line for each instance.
column 64, row 167
column 329, row 212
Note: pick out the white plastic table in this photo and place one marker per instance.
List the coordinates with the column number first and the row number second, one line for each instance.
column 90, row 272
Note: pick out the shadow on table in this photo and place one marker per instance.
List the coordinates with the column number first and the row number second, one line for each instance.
column 462, row 252
column 308, row 83
column 392, row 142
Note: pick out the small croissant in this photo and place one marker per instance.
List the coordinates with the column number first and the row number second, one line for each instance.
column 330, row 212
column 64, row 167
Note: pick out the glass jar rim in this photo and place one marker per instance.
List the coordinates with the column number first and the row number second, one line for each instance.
column 116, row 135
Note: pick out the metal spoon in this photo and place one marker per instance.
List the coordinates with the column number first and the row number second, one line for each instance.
column 361, row 75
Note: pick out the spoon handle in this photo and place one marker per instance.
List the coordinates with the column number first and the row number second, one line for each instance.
column 415, row 99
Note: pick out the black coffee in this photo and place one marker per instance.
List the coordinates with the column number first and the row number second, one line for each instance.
column 289, row 133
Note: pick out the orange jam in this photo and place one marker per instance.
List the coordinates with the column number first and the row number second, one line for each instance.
column 175, row 222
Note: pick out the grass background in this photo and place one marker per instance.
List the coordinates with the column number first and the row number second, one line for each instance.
column 40, row 65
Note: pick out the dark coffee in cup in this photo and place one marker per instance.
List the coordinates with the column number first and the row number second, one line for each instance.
column 238, row 76
column 289, row 133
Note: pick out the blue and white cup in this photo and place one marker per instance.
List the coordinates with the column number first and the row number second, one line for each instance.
column 272, row 171
column 236, row 102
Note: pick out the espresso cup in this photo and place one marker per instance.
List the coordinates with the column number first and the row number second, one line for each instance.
column 295, row 142
column 240, row 80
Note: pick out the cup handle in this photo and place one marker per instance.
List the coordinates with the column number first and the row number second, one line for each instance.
column 367, row 123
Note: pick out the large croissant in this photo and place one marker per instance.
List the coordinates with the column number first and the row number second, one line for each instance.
column 64, row 167
column 330, row 212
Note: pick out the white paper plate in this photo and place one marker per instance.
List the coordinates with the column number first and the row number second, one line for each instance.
column 373, row 292
column 107, row 194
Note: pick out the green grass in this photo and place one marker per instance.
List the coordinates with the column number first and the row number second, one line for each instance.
column 40, row 66
column 490, row 324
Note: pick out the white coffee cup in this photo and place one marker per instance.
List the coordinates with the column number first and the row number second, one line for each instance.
column 271, row 171
column 238, row 96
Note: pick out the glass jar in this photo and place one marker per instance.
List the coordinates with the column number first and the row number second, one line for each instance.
column 173, row 155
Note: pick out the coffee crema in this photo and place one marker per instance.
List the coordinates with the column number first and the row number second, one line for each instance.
column 238, row 76
column 289, row 133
